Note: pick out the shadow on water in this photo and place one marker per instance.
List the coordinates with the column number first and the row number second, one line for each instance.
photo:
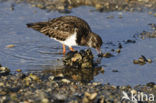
column 34, row 51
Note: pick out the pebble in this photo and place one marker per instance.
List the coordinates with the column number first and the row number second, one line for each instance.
column 66, row 81
column 60, row 75
column 107, row 55
column 4, row 71
column 1, row 84
column 98, row 6
column 34, row 77
column 133, row 91
column 49, row 90
column 76, row 57
column 92, row 96
column 10, row 46
column 151, row 84
column 51, row 78
column 96, row 83
column 102, row 6
column 45, row 100
column 18, row 70
column 115, row 70
column 85, row 100
column 135, row 61
column 142, row 60
column 149, row 60
column 118, row 50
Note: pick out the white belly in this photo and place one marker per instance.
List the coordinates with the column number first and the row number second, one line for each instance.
column 70, row 41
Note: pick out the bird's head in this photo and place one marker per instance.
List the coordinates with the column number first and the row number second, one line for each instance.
column 95, row 41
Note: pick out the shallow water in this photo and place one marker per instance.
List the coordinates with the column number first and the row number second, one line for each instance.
column 34, row 51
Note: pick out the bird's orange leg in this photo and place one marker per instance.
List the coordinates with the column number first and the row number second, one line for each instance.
column 71, row 48
column 64, row 49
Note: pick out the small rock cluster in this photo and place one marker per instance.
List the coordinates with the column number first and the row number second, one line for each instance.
column 4, row 71
column 142, row 60
column 108, row 55
column 81, row 59
column 46, row 88
column 146, row 34
column 65, row 6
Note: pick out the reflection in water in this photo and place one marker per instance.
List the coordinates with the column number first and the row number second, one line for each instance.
column 77, row 74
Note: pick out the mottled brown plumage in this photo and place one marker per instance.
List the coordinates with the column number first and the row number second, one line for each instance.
column 63, row 27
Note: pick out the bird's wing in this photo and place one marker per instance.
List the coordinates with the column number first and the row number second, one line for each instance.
column 62, row 27
column 59, row 30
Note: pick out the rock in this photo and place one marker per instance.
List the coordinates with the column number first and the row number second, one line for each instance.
column 96, row 83
column 77, row 57
column 66, row 81
column 1, row 84
column 27, row 81
column 118, row 50
column 4, row 71
column 33, row 77
column 60, row 75
column 110, row 17
column 135, row 61
column 18, row 70
column 130, row 41
column 45, row 100
column 60, row 96
column 89, row 97
column 133, row 91
column 87, row 94
column 86, row 65
column 98, row 6
column 3, row 92
column 119, row 45
column 107, row 55
column 151, row 84
column 149, row 60
column 93, row 96
column 10, row 46
column 82, row 59
column 20, row 75
column 142, row 60
column 115, row 70
column 51, row 78
column 85, row 100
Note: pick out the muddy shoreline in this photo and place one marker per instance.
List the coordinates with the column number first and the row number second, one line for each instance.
column 65, row 6
column 45, row 87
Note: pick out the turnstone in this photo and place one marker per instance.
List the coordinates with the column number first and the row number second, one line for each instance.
column 70, row 31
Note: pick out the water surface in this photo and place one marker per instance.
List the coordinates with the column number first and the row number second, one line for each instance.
column 35, row 51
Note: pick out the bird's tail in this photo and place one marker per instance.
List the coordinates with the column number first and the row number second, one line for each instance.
column 29, row 25
column 36, row 26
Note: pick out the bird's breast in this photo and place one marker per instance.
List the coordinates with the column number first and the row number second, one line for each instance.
column 69, row 41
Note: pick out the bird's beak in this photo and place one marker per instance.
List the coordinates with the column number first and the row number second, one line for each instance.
column 99, row 50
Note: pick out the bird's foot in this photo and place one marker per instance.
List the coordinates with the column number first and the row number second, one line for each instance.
column 71, row 48
column 64, row 49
